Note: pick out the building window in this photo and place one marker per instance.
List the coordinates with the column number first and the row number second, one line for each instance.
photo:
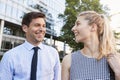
column 20, row 15
column 8, row 10
column 13, row 29
column 6, row 46
column 31, row 3
column 2, row 8
column 14, row 13
column 21, row 1
column 7, row 30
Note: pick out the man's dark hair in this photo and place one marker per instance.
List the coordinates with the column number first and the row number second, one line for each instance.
column 27, row 18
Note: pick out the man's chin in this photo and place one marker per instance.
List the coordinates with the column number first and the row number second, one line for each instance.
column 39, row 40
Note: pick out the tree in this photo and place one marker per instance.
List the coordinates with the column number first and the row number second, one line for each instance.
column 73, row 7
column 117, row 36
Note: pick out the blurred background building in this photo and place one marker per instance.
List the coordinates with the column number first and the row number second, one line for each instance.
column 11, row 14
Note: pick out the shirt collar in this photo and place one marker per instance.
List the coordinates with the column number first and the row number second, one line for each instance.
column 29, row 46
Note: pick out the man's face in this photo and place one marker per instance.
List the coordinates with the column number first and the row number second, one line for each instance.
column 36, row 30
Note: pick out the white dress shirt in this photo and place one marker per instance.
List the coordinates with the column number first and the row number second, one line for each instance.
column 16, row 63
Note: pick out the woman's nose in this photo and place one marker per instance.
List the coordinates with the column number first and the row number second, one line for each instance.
column 73, row 28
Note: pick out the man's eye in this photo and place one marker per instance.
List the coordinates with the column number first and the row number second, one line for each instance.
column 44, row 26
column 37, row 25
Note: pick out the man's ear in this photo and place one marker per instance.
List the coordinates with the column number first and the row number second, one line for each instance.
column 24, row 28
column 93, row 27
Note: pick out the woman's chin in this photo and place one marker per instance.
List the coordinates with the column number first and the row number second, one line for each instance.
column 77, row 41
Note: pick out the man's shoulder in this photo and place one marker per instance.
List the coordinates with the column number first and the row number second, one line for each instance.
column 50, row 49
column 12, row 52
column 45, row 46
column 15, row 49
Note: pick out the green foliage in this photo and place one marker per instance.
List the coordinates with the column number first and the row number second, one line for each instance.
column 117, row 35
column 73, row 7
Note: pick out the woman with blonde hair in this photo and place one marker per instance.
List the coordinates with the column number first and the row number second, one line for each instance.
column 98, row 60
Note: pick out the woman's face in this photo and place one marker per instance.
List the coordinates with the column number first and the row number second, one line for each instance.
column 81, row 29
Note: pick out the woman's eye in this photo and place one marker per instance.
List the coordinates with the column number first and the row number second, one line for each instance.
column 77, row 24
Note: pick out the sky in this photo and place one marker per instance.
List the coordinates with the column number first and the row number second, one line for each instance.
column 114, row 6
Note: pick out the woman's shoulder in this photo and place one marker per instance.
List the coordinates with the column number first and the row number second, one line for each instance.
column 67, row 58
column 75, row 53
column 67, row 61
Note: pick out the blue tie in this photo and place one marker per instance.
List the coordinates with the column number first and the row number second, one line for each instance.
column 34, row 64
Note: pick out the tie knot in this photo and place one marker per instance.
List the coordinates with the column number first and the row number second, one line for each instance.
column 36, row 48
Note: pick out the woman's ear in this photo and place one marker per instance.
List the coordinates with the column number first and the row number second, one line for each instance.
column 93, row 27
column 24, row 28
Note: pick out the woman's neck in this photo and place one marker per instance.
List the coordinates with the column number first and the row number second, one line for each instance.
column 91, row 48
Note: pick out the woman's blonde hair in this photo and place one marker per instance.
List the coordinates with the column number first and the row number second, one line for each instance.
column 105, row 34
